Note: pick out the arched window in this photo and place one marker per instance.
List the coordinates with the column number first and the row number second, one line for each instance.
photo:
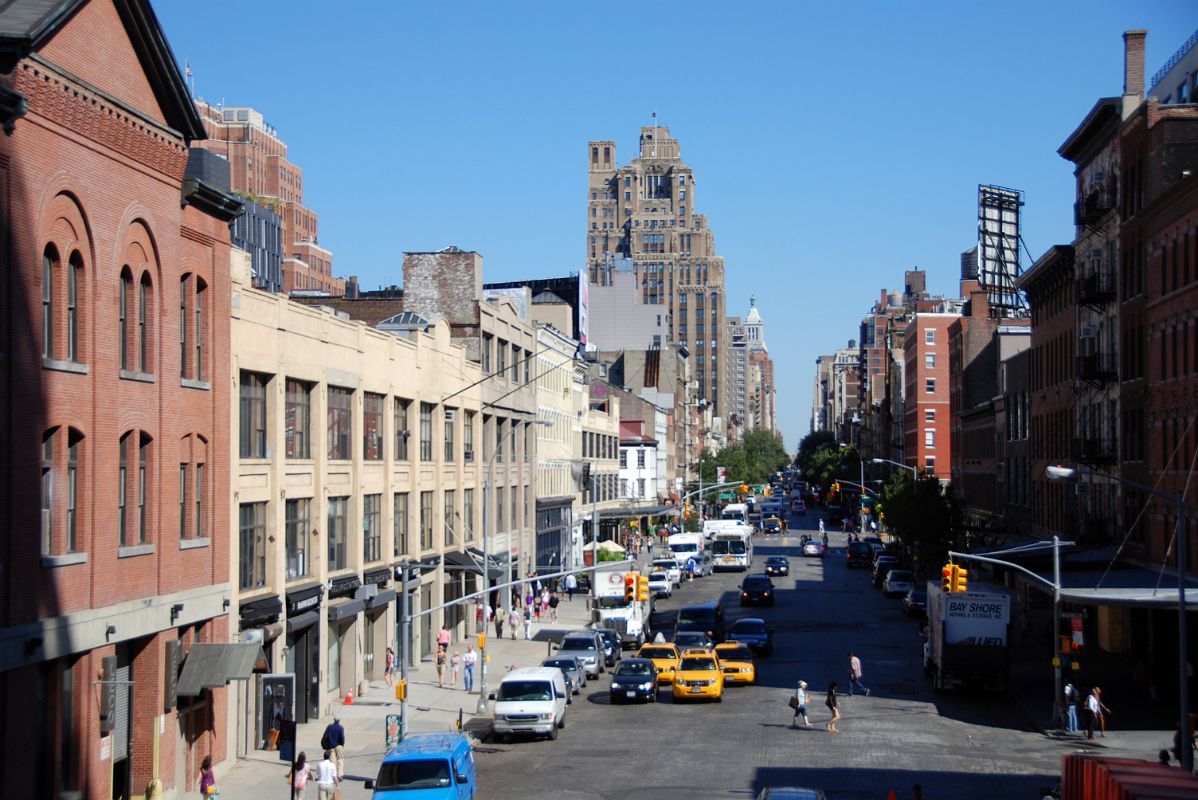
column 193, row 492
column 49, row 265
column 74, row 273
column 135, row 480
column 125, row 302
column 200, row 299
column 144, row 311
column 61, row 458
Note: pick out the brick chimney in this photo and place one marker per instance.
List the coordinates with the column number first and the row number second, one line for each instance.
column 1133, row 70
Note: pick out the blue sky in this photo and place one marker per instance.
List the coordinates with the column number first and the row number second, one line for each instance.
column 834, row 144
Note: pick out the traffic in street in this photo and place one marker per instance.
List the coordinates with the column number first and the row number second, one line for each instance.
column 900, row 735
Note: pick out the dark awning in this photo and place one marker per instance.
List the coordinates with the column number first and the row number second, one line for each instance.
column 340, row 611
column 457, row 561
column 209, row 666
column 302, row 620
column 381, row 599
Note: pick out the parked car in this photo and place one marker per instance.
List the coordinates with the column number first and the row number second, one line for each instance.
column 572, row 669
column 915, row 604
column 755, row 633
column 634, row 679
column 587, row 647
column 613, row 647
column 814, row 549
column 898, row 582
column 882, row 566
column 660, row 584
column 859, row 555
column 777, row 565
column 791, row 793
column 757, row 590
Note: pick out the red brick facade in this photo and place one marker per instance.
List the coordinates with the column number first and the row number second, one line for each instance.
column 98, row 249
column 925, row 346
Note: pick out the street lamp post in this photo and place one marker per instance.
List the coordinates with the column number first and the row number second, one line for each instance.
column 914, row 472
column 488, row 483
column 1058, row 473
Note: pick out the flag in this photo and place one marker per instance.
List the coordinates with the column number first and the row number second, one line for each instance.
column 187, row 67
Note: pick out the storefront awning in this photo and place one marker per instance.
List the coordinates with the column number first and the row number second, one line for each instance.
column 345, row 610
column 381, row 599
column 456, row 561
column 209, row 666
column 1134, row 586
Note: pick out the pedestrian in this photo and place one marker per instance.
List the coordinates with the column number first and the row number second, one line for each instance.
column 801, row 708
column 538, row 583
column 821, row 527
column 834, row 706
column 1102, row 712
column 443, row 637
column 545, row 601
column 455, row 669
column 691, row 566
column 571, row 585
column 469, row 659
column 207, row 778
column 529, row 598
column 300, row 773
column 498, row 626
column 1093, row 707
column 334, row 736
column 513, row 621
column 528, row 621
column 650, row 549
column 328, row 777
column 554, row 600
column 1070, row 699
column 536, row 611
column 855, row 676
column 441, row 659
column 389, row 669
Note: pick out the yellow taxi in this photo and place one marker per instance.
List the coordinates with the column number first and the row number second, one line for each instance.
column 698, row 676
column 736, row 660
column 665, row 660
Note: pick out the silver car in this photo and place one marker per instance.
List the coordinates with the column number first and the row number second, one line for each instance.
column 587, row 647
column 572, row 669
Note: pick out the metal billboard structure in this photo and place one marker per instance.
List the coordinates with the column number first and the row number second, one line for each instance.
column 998, row 249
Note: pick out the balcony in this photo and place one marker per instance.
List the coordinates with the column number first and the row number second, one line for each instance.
column 1090, row 210
column 1094, row 450
column 1097, row 289
column 1097, row 368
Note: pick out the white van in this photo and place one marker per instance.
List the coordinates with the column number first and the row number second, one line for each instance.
column 532, row 701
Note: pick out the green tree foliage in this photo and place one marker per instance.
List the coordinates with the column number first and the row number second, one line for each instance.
column 813, row 443
column 753, row 460
column 926, row 520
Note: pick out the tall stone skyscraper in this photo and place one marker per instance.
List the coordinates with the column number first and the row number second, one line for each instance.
column 645, row 211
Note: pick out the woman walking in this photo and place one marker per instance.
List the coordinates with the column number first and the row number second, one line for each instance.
column 207, row 778
column 801, row 708
column 441, row 658
column 303, row 771
column 455, row 667
column 389, row 669
column 834, row 706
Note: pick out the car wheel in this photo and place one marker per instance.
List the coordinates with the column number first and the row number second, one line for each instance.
column 561, row 723
column 719, row 698
column 569, row 701
column 553, row 733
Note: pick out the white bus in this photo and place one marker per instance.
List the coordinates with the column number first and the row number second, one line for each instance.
column 684, row 546
column 732, row 549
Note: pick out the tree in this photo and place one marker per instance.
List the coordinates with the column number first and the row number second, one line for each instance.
column 811, row 444
column 926, row 520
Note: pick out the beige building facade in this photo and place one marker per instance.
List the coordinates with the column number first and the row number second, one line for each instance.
column 355, row 449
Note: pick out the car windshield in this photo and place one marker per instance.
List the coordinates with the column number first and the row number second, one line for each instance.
column 756, row 583
column 685, row 547
column 633, row 668
column 740, row 653
column 664, row 563
column 562, row 663
column 696, row 663
column 696, row 617
column 424, row 774
column 657, row 652
column 776, row 561
column 578, row 643
column 658, row 576
column 897, row 575
column 748, row 626
column 525, row 690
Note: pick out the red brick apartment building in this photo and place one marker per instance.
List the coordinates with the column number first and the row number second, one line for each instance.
column 115, row 400
column 925, row 350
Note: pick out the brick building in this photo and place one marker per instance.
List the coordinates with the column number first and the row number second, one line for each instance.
column 114, row 330
column 926, row 406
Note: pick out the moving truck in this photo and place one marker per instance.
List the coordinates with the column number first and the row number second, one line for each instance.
column 629, row 619
column 968, row 638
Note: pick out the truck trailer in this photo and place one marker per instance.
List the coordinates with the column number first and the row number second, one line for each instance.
column 968, row 638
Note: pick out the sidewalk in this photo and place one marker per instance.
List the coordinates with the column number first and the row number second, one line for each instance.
column 261, row 775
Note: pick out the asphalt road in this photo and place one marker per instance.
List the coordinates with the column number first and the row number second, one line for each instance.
column 969, row 748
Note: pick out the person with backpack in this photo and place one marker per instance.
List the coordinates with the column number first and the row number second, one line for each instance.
column 799, row 704
column 300, row 773
column 333, row 742
column 1071, row 699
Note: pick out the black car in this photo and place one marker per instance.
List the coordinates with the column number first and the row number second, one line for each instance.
column 915, row 604
column 612, row 646
column 860, row 554
column 755, row 633
column 634, row 679
column 835, row 515
column 771, row 525
column 777, row 565
column 757, row 590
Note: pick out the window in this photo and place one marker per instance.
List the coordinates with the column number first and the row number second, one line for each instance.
column 487, row 342
column 623, row 459
column 515, row 364
column 468, row 514
column 253, row 414
column 501, row 358
column 930, row 385
column 402, row 429
column 929, row 336
column 929, row 463
column 449, row 499
column 929, row 439
column 71, row 544
column 122, row 481
column 340, row 422
column 640, row 487
column 399, row 524
column 929, row 361
column 252, row 561
column 299, row 419
column 468, row 437
column 192, row 291
column 123, row 317
column 372, row 533
column 426, row 520
column 49, row 266
column 929, row 415
column 426, row 431
column 337, row 533
column 640, row 460
column 512, row 503
column 624, row 487
column 143, row 316
column 498, row 440
column 184, row 511
column 58, row 519
column 450, row 417
column 298, row 519
column 500, row 521
column 143, row 462
column 372, row 427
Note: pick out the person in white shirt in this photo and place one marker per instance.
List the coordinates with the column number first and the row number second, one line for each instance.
column 469, row 659
column 1093, row 708
column 801, row 708
column 327, row 778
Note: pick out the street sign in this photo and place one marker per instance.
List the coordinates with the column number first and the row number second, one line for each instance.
column 394, row 730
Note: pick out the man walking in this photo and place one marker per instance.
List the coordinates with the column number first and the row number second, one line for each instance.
column 513, row 621
column 571, row 585
column 1070, row 700
column 801, row 708
column 327, row 778
column 855, row 676
column 333, row 742
column 469, row 659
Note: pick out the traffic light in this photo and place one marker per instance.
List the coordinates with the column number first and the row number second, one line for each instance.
column 961, row 580
column 642, row 588
column 630, row 587
column 836, row 487
column 948, row 577
column 744, row 488
column 767, row 491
